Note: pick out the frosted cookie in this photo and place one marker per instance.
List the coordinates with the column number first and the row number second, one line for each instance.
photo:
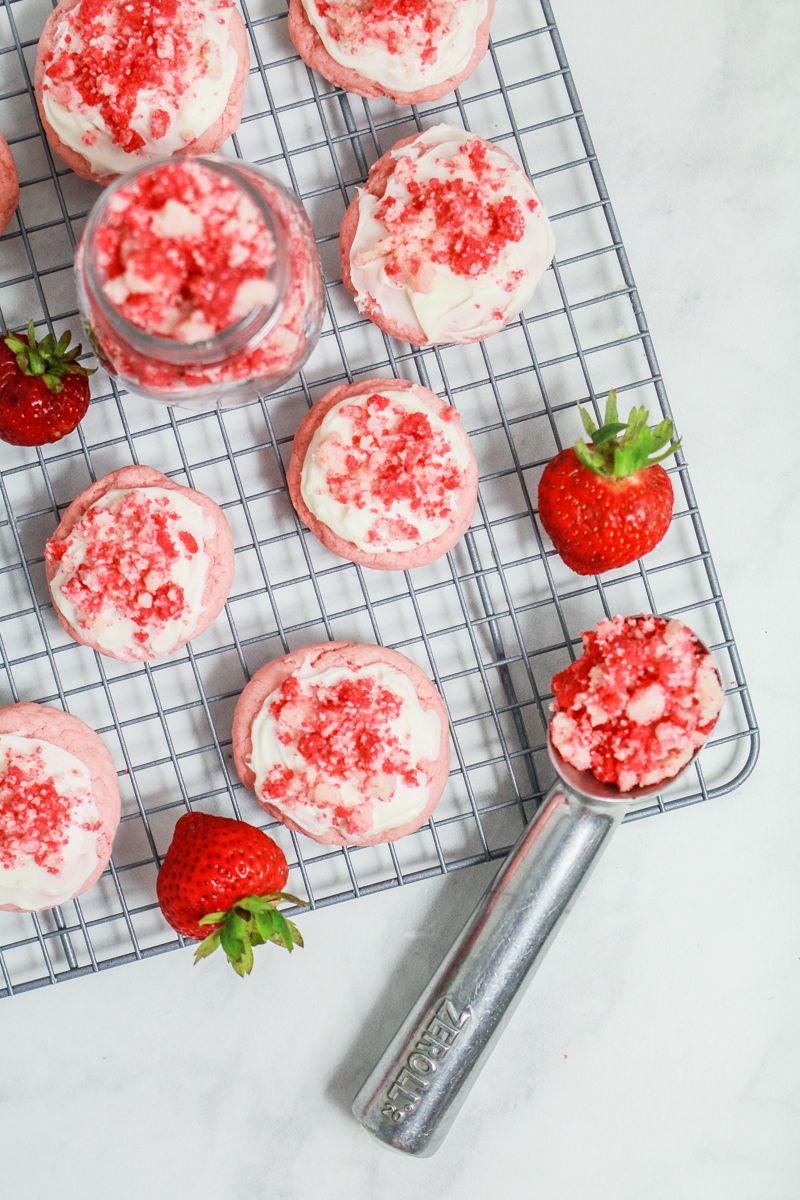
column 346, row 743
column 9, row 184
column 638, row 703
column 409, row 50
column 119, row 85
column 139, row 565
column 383, row 474
column 447, row 240
column 59, row 807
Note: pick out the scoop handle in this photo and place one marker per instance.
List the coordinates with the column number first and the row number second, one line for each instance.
column 412, row 1096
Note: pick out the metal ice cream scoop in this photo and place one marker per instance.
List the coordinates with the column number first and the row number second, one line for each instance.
column 411, row 1098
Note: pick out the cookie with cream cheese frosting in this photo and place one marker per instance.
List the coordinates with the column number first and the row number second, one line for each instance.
column 383, row 473
column 9, row 184
column 119, row 85
column 410, row 50
column 139, row 565
column 344, row 742
column 446, row 241
column 59, row 807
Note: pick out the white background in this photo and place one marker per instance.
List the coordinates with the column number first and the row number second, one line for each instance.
column 657, row 1053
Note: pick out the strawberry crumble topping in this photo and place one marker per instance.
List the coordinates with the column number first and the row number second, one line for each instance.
column 384, row 474
column 638, row 703
column 133, row 569
column 184, row 253
column 37, row 814
column 394, row 24
column 131, row 73
column 346, row 748
column 463, row 222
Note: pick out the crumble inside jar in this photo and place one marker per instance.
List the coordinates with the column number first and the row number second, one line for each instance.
column 184, row 253
column 385, row 472
column 115, row 104
column 199, row 279
column 638, row 703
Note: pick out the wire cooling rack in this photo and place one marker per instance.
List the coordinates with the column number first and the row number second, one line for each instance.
column 490, row 623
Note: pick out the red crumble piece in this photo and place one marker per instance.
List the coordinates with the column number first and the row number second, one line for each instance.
column 638, row 703
column 393, row 24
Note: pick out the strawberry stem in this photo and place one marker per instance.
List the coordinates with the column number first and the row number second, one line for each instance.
column 252, row 921
column 621, row 448
column 47, row 360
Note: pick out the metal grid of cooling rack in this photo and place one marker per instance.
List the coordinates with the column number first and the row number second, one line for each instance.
column 490, row 623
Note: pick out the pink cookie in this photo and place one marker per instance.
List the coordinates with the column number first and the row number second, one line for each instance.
column 98, row 131
column 9, row 184
column 139, row 565
column 343, row 742
column 59, row 807
column 388, row 480
column 446, row 241
column 433, row 45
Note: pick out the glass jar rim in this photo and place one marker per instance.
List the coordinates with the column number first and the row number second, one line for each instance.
column 234, row 338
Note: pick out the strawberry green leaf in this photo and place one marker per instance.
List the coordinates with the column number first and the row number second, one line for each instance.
column 621, row 448
column 588, row 421
column 208, row 946
column 296, row 934
column 47, row 360
column 212, row 919
column 282, row 931
column 265, row 923
column 231, row 944
column 612, row 415
column 608, row 431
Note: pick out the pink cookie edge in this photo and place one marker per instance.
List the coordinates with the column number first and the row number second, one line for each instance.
column 70, row 733
column 9, row 184
column 312, row 50
column 208, row 141
column 411, row 559
column 220, row 550
column 272, row 674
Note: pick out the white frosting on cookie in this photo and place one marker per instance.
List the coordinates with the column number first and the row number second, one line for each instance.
column 205, row 82
column 374, row 517
column 431, row 299
column 147, row 634
column 352, row 800
column 401, row 54
column 49, row 824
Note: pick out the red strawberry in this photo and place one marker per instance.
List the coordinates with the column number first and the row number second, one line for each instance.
column 607, row 503
column 221, row 880
column 44, row 392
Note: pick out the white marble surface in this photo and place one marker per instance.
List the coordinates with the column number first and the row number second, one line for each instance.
column 657, row 1054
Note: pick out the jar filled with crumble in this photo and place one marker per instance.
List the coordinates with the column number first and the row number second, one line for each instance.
column 199, row 282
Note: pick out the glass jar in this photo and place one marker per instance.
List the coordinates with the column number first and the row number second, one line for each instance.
column 199, row 282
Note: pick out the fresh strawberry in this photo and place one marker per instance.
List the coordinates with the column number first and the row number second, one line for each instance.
column 44, row 392
column 221, row 880
column 607, row 503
